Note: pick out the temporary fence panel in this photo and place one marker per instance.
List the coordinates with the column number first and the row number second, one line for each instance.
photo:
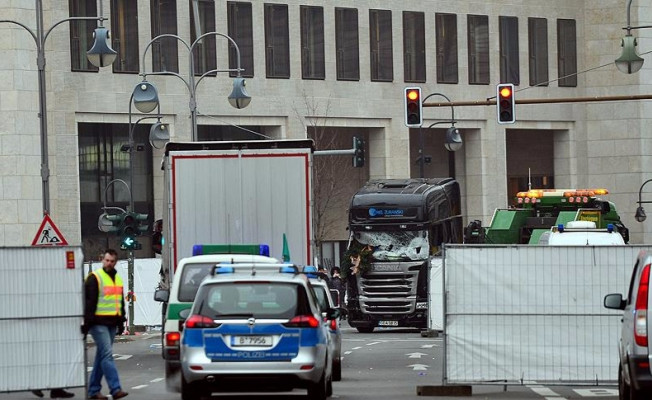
column 42, row 311
column 518, row 314
column 436, row 294
column 147, row 311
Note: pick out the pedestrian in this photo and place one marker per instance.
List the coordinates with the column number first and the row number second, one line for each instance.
column 104, row 315
column 337, row 283
column 55, row 394
column 323, row 274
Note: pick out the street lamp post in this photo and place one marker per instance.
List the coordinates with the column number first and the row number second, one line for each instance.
column 453, row 139
column 640, row 212
column 100, row 55
column 239, row 98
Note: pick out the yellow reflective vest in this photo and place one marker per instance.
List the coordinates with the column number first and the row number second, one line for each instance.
column 109, row 302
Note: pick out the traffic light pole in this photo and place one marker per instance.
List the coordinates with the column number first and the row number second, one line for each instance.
column 130, row 294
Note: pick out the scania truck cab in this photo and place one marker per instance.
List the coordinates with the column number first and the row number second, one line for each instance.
column 396, row 226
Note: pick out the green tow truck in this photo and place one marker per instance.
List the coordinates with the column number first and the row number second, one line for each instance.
column 538, row 210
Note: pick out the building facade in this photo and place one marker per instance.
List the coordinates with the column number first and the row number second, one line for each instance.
column 330, row 72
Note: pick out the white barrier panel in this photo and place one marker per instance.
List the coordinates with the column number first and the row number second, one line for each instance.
column 531, row 313
column 436, row 294
column 147, row 312
column 41, row 344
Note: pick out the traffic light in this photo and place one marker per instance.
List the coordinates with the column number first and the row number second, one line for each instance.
column 131, row 227
column 358, row 156
column 505, row 103
column 413, row 107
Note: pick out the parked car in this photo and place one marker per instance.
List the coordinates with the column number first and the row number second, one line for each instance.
column 256, row 327
column 634, row 369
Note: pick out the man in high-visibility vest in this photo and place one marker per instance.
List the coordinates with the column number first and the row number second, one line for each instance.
column 104, row 316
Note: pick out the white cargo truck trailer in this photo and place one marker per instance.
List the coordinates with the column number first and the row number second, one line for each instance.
column 237, row 192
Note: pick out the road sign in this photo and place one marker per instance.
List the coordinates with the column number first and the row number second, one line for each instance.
column 48, row 234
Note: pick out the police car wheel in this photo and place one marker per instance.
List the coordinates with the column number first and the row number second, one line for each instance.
column 189, row 391
column 337, row 370
column 329, row 387
column 317, row 391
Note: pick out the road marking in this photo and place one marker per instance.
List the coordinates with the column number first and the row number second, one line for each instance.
column 348, row 352
column 418, row 367
column 595, row 392
column 416, row 355
column 122, row 357
column 139, row 387
column 156, row 346
column 356, row 348
column 545, row 392
column 157, row 380
column 373, row 343
column 429, row 346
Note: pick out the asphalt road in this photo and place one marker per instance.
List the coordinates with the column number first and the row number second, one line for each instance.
column 388, row 364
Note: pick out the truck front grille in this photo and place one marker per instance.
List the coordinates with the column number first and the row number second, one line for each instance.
column 388, row 292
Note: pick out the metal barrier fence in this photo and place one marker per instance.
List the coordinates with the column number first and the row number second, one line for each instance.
column 520, row 314
column 41, row 345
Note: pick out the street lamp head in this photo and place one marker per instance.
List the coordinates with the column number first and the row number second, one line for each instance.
column 239, row 98
column 629, row 61
column 640, row 214
column 453, row 139
column 159, row 134
column 145, row 97
column 101, row 54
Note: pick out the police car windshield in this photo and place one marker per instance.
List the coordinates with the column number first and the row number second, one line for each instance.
column 274, row 300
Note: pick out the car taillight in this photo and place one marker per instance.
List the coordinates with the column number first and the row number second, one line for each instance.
column 303, row 321
column 640, row 315
column 172, row 339
column 200, row 321
column 333, row 325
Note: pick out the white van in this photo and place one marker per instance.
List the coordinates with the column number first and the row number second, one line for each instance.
column 581, row 233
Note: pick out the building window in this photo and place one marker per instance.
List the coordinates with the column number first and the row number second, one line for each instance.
column 124, row 35
column 81, row 34
column 346, row 44
column 202, row 20
column 446, row 35
column 380, row 39
column 478, row 36
column 312, row 43
column 414, row 46
column 538, row 46
column 165, row 51
column 509, row 66
column 277, row 41
column 101, row 162
column 567, row 52
column 241, row 31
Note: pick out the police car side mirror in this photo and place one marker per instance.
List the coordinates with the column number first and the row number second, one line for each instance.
column 162, row 295
column 614, row 301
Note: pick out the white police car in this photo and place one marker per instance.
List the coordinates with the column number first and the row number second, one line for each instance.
column 256, row 328
column 326, row 301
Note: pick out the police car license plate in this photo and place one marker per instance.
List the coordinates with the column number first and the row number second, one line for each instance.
column 387, row 323
column 249, row 340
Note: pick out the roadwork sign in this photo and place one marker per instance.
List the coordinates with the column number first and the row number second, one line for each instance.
column 48, row 234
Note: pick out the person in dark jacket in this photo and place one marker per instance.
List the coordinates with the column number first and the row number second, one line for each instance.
column 337, row 283
column 104, row 316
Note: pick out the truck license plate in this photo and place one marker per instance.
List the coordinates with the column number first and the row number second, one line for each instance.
column 261, row 341
column 388, row 323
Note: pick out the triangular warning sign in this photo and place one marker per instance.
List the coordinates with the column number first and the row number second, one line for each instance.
column 48, row 234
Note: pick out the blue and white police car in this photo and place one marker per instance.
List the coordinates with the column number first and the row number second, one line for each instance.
column 256, row 327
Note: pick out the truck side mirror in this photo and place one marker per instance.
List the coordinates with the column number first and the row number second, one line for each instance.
column 162, row 295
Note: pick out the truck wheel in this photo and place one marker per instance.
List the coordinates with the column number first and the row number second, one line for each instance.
column 172, row 378
column 365, row 329
column 337, row 370
column 316, row 391
column 189, row 391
